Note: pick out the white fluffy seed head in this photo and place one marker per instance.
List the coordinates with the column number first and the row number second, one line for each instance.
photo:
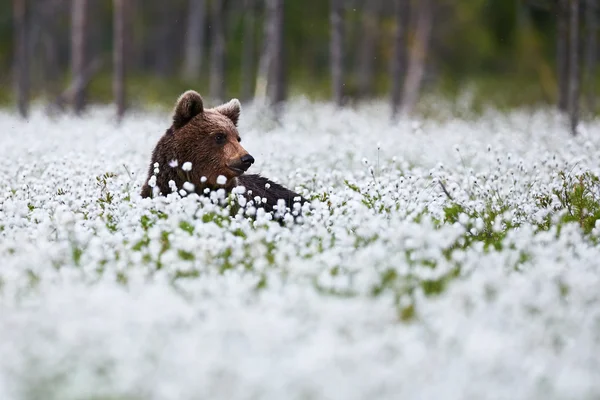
column 190, row 187
column 221, row 180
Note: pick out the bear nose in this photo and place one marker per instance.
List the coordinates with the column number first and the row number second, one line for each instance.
column 247, row 161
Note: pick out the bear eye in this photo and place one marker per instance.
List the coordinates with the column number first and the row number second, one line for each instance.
column 220, row 138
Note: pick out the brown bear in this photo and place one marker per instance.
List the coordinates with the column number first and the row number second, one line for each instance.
column 201, row 150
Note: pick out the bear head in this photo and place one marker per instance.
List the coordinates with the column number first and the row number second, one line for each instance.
column 207, row 138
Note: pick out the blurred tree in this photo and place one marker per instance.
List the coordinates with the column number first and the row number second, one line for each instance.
column 574, row 75
column 260, row 91
column 21, row 57
column 276, row 82
column 248, row 45
column 562, row 53
column 418, row 55
column 194, row 40
column 367, row 53
column 337, row 51
column 79, row 22
column 217, row 55
column 398, row 65
column 120, row 10
column 271, row 79
column 591, row 51
column 51, row 72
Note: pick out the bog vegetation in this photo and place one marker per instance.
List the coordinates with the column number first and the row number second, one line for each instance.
column 441, row 257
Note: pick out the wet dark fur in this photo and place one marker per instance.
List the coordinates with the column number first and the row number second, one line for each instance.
column 257, row 185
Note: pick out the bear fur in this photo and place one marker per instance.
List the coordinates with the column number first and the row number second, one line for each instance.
column 208, row 138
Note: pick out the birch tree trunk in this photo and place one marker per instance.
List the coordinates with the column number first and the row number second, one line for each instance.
column 276, row 85
column 119, row 56
column 260, row 90
column 418, row 55
column 591, row 51
column 79, row 23
column 398, row 67
column 22, row 78
column 247, row 67
column 194, row 40
column 368, row 46
column 49, row 52
column 336, row 51
column 574, row 65
column 562, row 54
column 217, row 54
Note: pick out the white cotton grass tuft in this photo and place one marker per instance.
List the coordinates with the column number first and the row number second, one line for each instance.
column 103, row 293
column 187, row 166
column 189, row 187
column 221, row 180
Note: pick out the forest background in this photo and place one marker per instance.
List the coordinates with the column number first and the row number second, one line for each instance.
column 505, row 53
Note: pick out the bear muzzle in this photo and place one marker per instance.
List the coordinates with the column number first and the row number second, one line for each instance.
column 242, row 164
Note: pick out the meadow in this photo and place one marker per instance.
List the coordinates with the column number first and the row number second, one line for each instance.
column 445, row 257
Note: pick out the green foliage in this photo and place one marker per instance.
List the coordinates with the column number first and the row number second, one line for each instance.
column 186, row 255
column 579, row 198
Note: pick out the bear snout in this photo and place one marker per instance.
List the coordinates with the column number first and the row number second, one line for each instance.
column 243, row 163
column 247, row 159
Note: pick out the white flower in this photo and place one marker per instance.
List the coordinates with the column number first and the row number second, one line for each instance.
column 152, row 181
column 221, row 180
column 187, row 166
column 189, row 186
column 173, row 163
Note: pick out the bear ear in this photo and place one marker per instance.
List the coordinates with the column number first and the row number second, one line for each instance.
column 188, row 106
column 231, row 110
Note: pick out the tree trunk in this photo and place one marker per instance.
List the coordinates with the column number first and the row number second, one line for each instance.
column 260, row 91
column 418, row 55
column 337, row 51
column 78, row 49
column 398, row 67
column 50, row 57
column 247, row 67
column 217, row 54
column 162, row 45
column 22, row 77
column 119, row 56
column 368, row 46
column 276, row 85
column 194, row 40
column 562, row 53
column 574, row 65
column 591, row 48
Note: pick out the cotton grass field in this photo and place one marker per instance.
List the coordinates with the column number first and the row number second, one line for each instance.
column 441, row 259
